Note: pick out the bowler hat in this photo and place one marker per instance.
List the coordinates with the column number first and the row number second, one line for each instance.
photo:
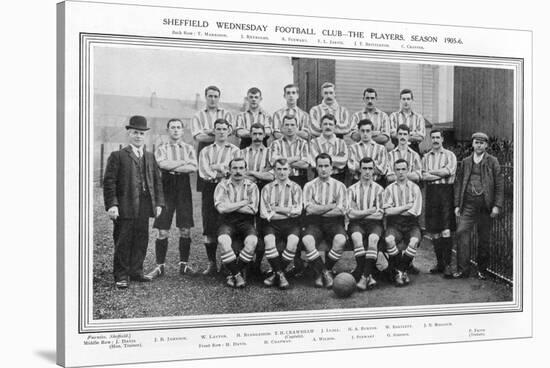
column 137, row 122
column 480, row 136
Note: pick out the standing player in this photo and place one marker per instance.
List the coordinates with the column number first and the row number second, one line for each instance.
column 330, row 144
column 280, row 209
column 176, row 160
column 329, row 106
column 291, row 95
column 438, row 171
column 236, row 199
column 402, row 203
column 365, row 214
column 213, row 167
column 410, row 118
column 202, row 125
column 254, row 114
column 368, row 148
column 325, row 205
column 479, row 196
column 292, row 148
column 404, row 152
column 380, row 120
column 132, row 190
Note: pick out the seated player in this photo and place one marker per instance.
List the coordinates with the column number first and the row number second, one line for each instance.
column 325, row 207
column 365, row 214
column 236, row 199
column 402, row 203
column 281, row 207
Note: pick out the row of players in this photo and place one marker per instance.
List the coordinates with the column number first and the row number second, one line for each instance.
column 177, row 160
column 309, row 125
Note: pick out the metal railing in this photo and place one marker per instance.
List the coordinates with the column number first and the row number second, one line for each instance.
column 501, row 247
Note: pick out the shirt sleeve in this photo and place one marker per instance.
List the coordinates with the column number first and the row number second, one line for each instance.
column 417, row 165
column 451, row 163
column 313, row 152
column 254, row 197
column 297, row 205
column 393, row 124
column 220, row 195
column 352, row 203
column 308, row 195
column 196, row 127
column 342, row 198
column 417, row 201
column 205, row 171
column 276, row 122
column 265, row 209
column 382, row 160
column 385, row 125
column 353, row 161
column 387, row 198
column 314, row 125
column 160, row 153
column 191, row 155
column 421, row 126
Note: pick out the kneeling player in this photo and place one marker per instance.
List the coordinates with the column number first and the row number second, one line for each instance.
column 365, row 214
column 236, row 199
column 325, row 205
column 402, row 203
column 280, row 211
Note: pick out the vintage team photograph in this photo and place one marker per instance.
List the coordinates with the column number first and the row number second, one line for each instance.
column 231, row 182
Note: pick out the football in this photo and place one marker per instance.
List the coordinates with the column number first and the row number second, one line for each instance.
column 344, row 285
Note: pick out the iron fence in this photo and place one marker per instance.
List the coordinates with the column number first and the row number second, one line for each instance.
column 501, row 247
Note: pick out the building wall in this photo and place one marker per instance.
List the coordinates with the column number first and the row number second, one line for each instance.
column 483, row 100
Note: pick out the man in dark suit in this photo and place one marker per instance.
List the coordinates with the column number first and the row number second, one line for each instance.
column 479, row 196
column 132, row 188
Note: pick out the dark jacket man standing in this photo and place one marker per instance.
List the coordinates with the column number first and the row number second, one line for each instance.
column 132, row 191
column 479, row 197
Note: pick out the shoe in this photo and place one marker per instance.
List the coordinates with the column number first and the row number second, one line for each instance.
column 399, row 278
column 186, row 269
column 319, row 281
column 482, row 275
column 405, row 277
column 230, row 281
column 328, row 279
column 461, row 275
column 437, row 269
column 121, row 284
column 270, row 281
column 283, row 282
column 362, row 283
column 239, row 281
column 140, row 278
column 448, row 272
column 371, row 282
column 211, row 270
column 157, row 272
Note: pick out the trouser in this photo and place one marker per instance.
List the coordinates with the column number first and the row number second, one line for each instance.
column 131, row 236
column 473, row 212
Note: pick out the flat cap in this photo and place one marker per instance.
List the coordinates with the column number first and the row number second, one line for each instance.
column 480, row 136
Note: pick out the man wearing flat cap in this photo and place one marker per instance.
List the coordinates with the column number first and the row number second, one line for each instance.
column 479, row 196
column 132, row 191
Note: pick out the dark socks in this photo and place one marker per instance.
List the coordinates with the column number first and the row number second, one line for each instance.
column 275, row 264
column 185, row 246
column 161, row 247
column 211, row 251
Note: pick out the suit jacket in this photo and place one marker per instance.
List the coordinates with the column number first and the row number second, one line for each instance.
column 491, row 179
column 121, row 182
